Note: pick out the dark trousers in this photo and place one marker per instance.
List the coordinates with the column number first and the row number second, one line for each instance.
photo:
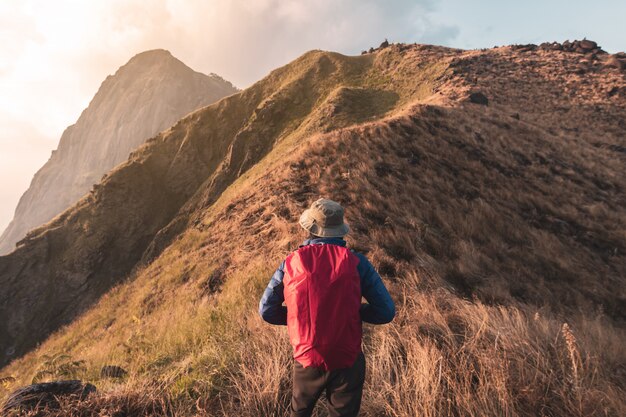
column 343, row 387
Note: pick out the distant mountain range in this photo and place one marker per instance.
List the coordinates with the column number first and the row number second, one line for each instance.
column 148, row 94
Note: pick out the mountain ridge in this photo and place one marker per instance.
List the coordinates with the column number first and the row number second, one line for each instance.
column 143, row 97
column 489, row 223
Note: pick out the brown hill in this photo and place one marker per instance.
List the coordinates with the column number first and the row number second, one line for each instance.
column 146, row 95
column 493, row 225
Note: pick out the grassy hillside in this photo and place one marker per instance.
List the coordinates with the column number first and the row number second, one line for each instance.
column 500, row 231
column 62, row 267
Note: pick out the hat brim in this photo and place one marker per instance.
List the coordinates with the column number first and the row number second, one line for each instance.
column 310, row 225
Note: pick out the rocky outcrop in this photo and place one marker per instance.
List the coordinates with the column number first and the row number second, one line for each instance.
column 44, row 396
column 148, row 94
column 584, row 46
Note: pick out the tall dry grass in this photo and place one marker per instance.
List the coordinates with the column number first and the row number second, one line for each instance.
column 443, row 356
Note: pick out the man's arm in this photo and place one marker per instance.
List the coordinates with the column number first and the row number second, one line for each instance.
column 380, row 308
column 271, row 307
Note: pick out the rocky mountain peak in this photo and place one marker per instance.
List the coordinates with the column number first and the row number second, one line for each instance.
column 143, row 97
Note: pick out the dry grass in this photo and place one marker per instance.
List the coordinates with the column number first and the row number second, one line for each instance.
column 446, row 357
column 502, row 243
column 441, row 356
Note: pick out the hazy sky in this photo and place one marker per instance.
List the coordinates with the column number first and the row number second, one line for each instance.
column 55, row 54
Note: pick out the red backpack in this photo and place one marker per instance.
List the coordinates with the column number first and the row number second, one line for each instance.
column 322, row 290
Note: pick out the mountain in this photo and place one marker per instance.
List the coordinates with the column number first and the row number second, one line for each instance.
column 148, row 94
column 486, row 186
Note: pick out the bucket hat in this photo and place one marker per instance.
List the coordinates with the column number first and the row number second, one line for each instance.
column 324, row 219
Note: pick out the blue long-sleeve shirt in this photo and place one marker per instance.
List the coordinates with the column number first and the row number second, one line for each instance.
column 379, row 309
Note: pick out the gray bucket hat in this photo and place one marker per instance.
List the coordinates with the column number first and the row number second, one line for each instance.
column 324, row 219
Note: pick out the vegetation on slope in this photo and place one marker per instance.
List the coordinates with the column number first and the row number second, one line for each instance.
column 478, row 221
column 63, row 267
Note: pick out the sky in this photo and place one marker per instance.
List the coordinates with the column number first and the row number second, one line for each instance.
column 55, row 54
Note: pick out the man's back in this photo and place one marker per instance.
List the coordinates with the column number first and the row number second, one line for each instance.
column 322, row 291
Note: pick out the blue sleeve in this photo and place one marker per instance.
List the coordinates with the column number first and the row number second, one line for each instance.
column 379, row 308
column 271, row 307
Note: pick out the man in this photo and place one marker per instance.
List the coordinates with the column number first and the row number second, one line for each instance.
column 321, row 284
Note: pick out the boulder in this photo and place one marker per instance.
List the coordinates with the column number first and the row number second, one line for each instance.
column 524, row 48
column 588, row 45
column 582, row 47
column 557, row 47
column 45, row 394
column 551, row 46
column 479, row 98
column 384, row 44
